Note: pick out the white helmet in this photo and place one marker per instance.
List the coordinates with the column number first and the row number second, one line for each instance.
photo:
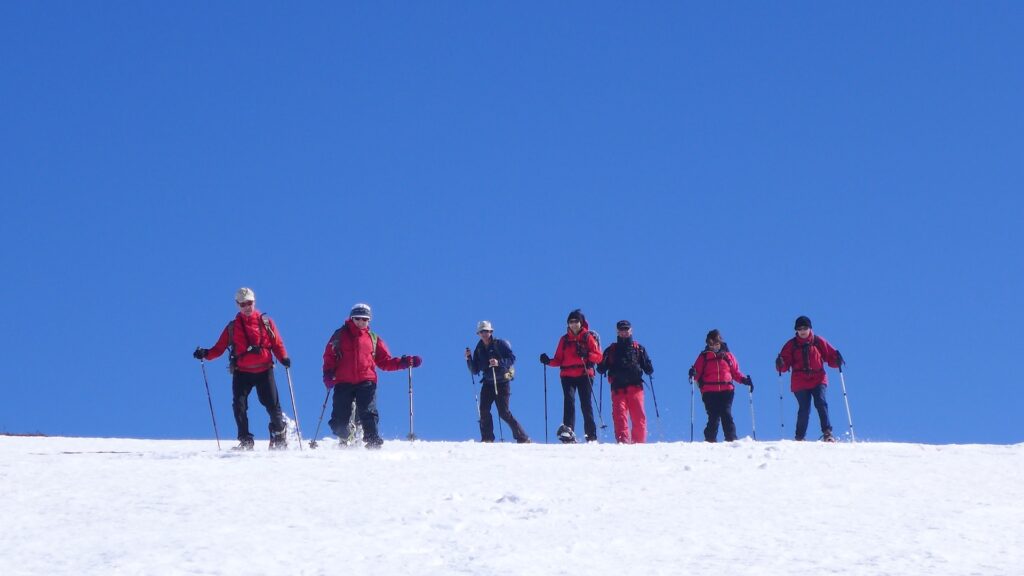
column 245, row 295
column 360, row 310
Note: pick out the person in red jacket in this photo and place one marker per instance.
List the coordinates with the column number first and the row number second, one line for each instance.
column 351, row 359
column 576, row 354
column 715, row 370
column 625, row 362
column 806, row 355
column 253, row 341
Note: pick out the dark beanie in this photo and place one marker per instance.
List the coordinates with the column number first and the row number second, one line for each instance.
column 578, row 315
column 713, row 336
column 802, row 321
column 623, row 325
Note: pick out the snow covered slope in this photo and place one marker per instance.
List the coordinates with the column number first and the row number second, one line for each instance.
column 105, row 506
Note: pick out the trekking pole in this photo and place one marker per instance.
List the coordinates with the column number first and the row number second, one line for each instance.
column 295, row 409
column 782, row 417
column 753, row 426
column 657, row 414
column 691, row 408
column 849, row 417
column 545, row 403
column 412, row 435
column 472, row 378
column 313, row 443
column 501, row 429
column 590, row 380
column 210, row 401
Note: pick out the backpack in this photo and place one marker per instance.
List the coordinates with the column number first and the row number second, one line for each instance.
column 232, row 357
column 336, row 343
column 503, row 377
column 724, row 355
column 628, row 364
column 579, row 350
column 806, row 349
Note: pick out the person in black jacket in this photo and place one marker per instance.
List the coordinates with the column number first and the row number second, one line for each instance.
column 494, row 359
column 626, row 362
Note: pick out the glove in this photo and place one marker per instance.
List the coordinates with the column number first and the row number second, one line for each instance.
column 749, row 382
column 404, row 362
column 545, row 359
column 780, row 365
column 200, row 353
column 839, row 358
column 601, row 369
column 286, row 362
column 329, row 381
column 693, row 372
column 416, row 361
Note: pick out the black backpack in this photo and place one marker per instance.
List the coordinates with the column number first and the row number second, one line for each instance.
column 628, row 364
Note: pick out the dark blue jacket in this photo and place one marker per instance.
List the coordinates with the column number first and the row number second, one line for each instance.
column 500, row 349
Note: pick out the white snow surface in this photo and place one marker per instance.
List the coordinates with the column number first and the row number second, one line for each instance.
column 123, row 506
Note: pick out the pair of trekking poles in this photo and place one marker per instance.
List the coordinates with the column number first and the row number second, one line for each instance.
column 291, row 389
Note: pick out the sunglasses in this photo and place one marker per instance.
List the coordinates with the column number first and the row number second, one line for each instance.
column 574, row 321
column 358, row 319
column 486, row 332
column 245, row 304
column 803, row 329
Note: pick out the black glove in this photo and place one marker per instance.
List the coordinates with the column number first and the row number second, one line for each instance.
column 601, row 369
column 200, row 353
column 839, row 358
column 749, row 382
column 286, row 362
column 693, row 372
column 253, row 349
column 545, row 359
column 780, row 365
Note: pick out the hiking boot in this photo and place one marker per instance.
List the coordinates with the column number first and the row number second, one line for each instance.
column 524, row 441
column 566, row 435
column 245, row 444
column 373, row 443
column 827, row 436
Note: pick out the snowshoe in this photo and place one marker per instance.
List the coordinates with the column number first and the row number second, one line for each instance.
column 566, row 435
column 279, row 442
column 245, row 444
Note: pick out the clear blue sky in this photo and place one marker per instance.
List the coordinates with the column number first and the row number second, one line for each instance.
column 685, row 166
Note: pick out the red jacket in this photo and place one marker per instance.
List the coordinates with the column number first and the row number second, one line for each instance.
column 717, row 371
column 567, row 354
column 251, row 331
column 356, row 361
column 807, row 358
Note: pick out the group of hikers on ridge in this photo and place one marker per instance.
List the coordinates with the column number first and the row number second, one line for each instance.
column 354, row 353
